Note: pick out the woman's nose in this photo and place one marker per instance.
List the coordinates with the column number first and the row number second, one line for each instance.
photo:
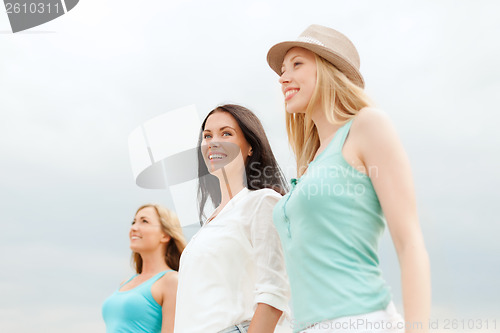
column 213, row 144
column 284, row 78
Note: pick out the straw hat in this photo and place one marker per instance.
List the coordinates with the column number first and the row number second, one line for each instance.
column 328, row 44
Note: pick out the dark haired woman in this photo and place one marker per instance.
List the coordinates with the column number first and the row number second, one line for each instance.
column 146, row 302
column 232, row 275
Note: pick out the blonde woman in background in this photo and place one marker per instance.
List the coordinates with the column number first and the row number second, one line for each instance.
column 146, row 302
column 352, row 171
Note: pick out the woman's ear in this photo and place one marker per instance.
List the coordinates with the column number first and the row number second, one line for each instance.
column 250, row 152
column 165, row 238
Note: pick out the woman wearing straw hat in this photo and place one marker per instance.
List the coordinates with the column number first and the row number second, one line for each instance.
column 352, row 171
column 232, row 275
column 146, row 302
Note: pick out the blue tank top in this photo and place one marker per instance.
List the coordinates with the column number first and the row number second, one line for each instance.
column 133, row 310
column 330, row 225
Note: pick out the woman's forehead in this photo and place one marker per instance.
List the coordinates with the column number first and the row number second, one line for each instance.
column 146, row 212
column 220, row 119
column 298, row 51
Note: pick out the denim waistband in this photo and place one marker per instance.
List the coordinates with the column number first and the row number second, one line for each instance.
column 241, row 327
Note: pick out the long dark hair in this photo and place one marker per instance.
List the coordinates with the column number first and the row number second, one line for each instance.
column 261, row 168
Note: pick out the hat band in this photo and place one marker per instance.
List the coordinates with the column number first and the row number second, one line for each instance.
column 311, row 40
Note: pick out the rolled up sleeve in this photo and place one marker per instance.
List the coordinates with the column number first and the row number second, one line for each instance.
column 272, row 286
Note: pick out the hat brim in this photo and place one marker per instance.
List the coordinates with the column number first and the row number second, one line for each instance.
column 277, row 53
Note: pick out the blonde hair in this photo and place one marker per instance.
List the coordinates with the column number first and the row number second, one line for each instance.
column 171, row 226
column 338, row 97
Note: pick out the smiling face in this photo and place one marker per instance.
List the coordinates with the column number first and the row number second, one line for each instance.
column 146, row 233
column 224, row 144
column 298, row 79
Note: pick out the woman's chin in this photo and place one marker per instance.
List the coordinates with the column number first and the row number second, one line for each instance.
column 134, row 247
column 228, row 171
column 290, row 109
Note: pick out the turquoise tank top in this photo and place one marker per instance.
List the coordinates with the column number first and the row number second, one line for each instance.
column 133, row 310
column 330, row 224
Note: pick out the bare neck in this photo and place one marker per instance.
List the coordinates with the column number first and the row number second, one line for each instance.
column 326, row 130
column 229, row 187
column 153, row 262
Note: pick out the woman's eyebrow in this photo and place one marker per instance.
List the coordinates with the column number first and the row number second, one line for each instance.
column 220, row 129
column 289, row 60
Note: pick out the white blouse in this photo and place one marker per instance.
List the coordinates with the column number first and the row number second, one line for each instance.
column 231, row 264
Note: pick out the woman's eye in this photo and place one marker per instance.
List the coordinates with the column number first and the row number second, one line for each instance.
column 295, row 64
column 207, row 136
column 133, row 222
column 145, row 221
column 226, row 134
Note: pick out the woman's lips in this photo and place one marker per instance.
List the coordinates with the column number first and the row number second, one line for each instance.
column 216, row 156
column 290, row 93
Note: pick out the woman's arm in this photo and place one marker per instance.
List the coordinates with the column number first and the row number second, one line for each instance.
column 383, row 155
column 272, row 290
column 264, row 319
column 169, row 293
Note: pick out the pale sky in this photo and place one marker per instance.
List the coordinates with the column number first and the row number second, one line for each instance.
column 72, row 90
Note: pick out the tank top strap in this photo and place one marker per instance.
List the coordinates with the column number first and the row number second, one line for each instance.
column 158, row 276
column 340, row 137
column 124, row 283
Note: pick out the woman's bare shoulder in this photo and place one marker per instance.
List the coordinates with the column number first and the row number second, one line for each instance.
column 371, row 117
